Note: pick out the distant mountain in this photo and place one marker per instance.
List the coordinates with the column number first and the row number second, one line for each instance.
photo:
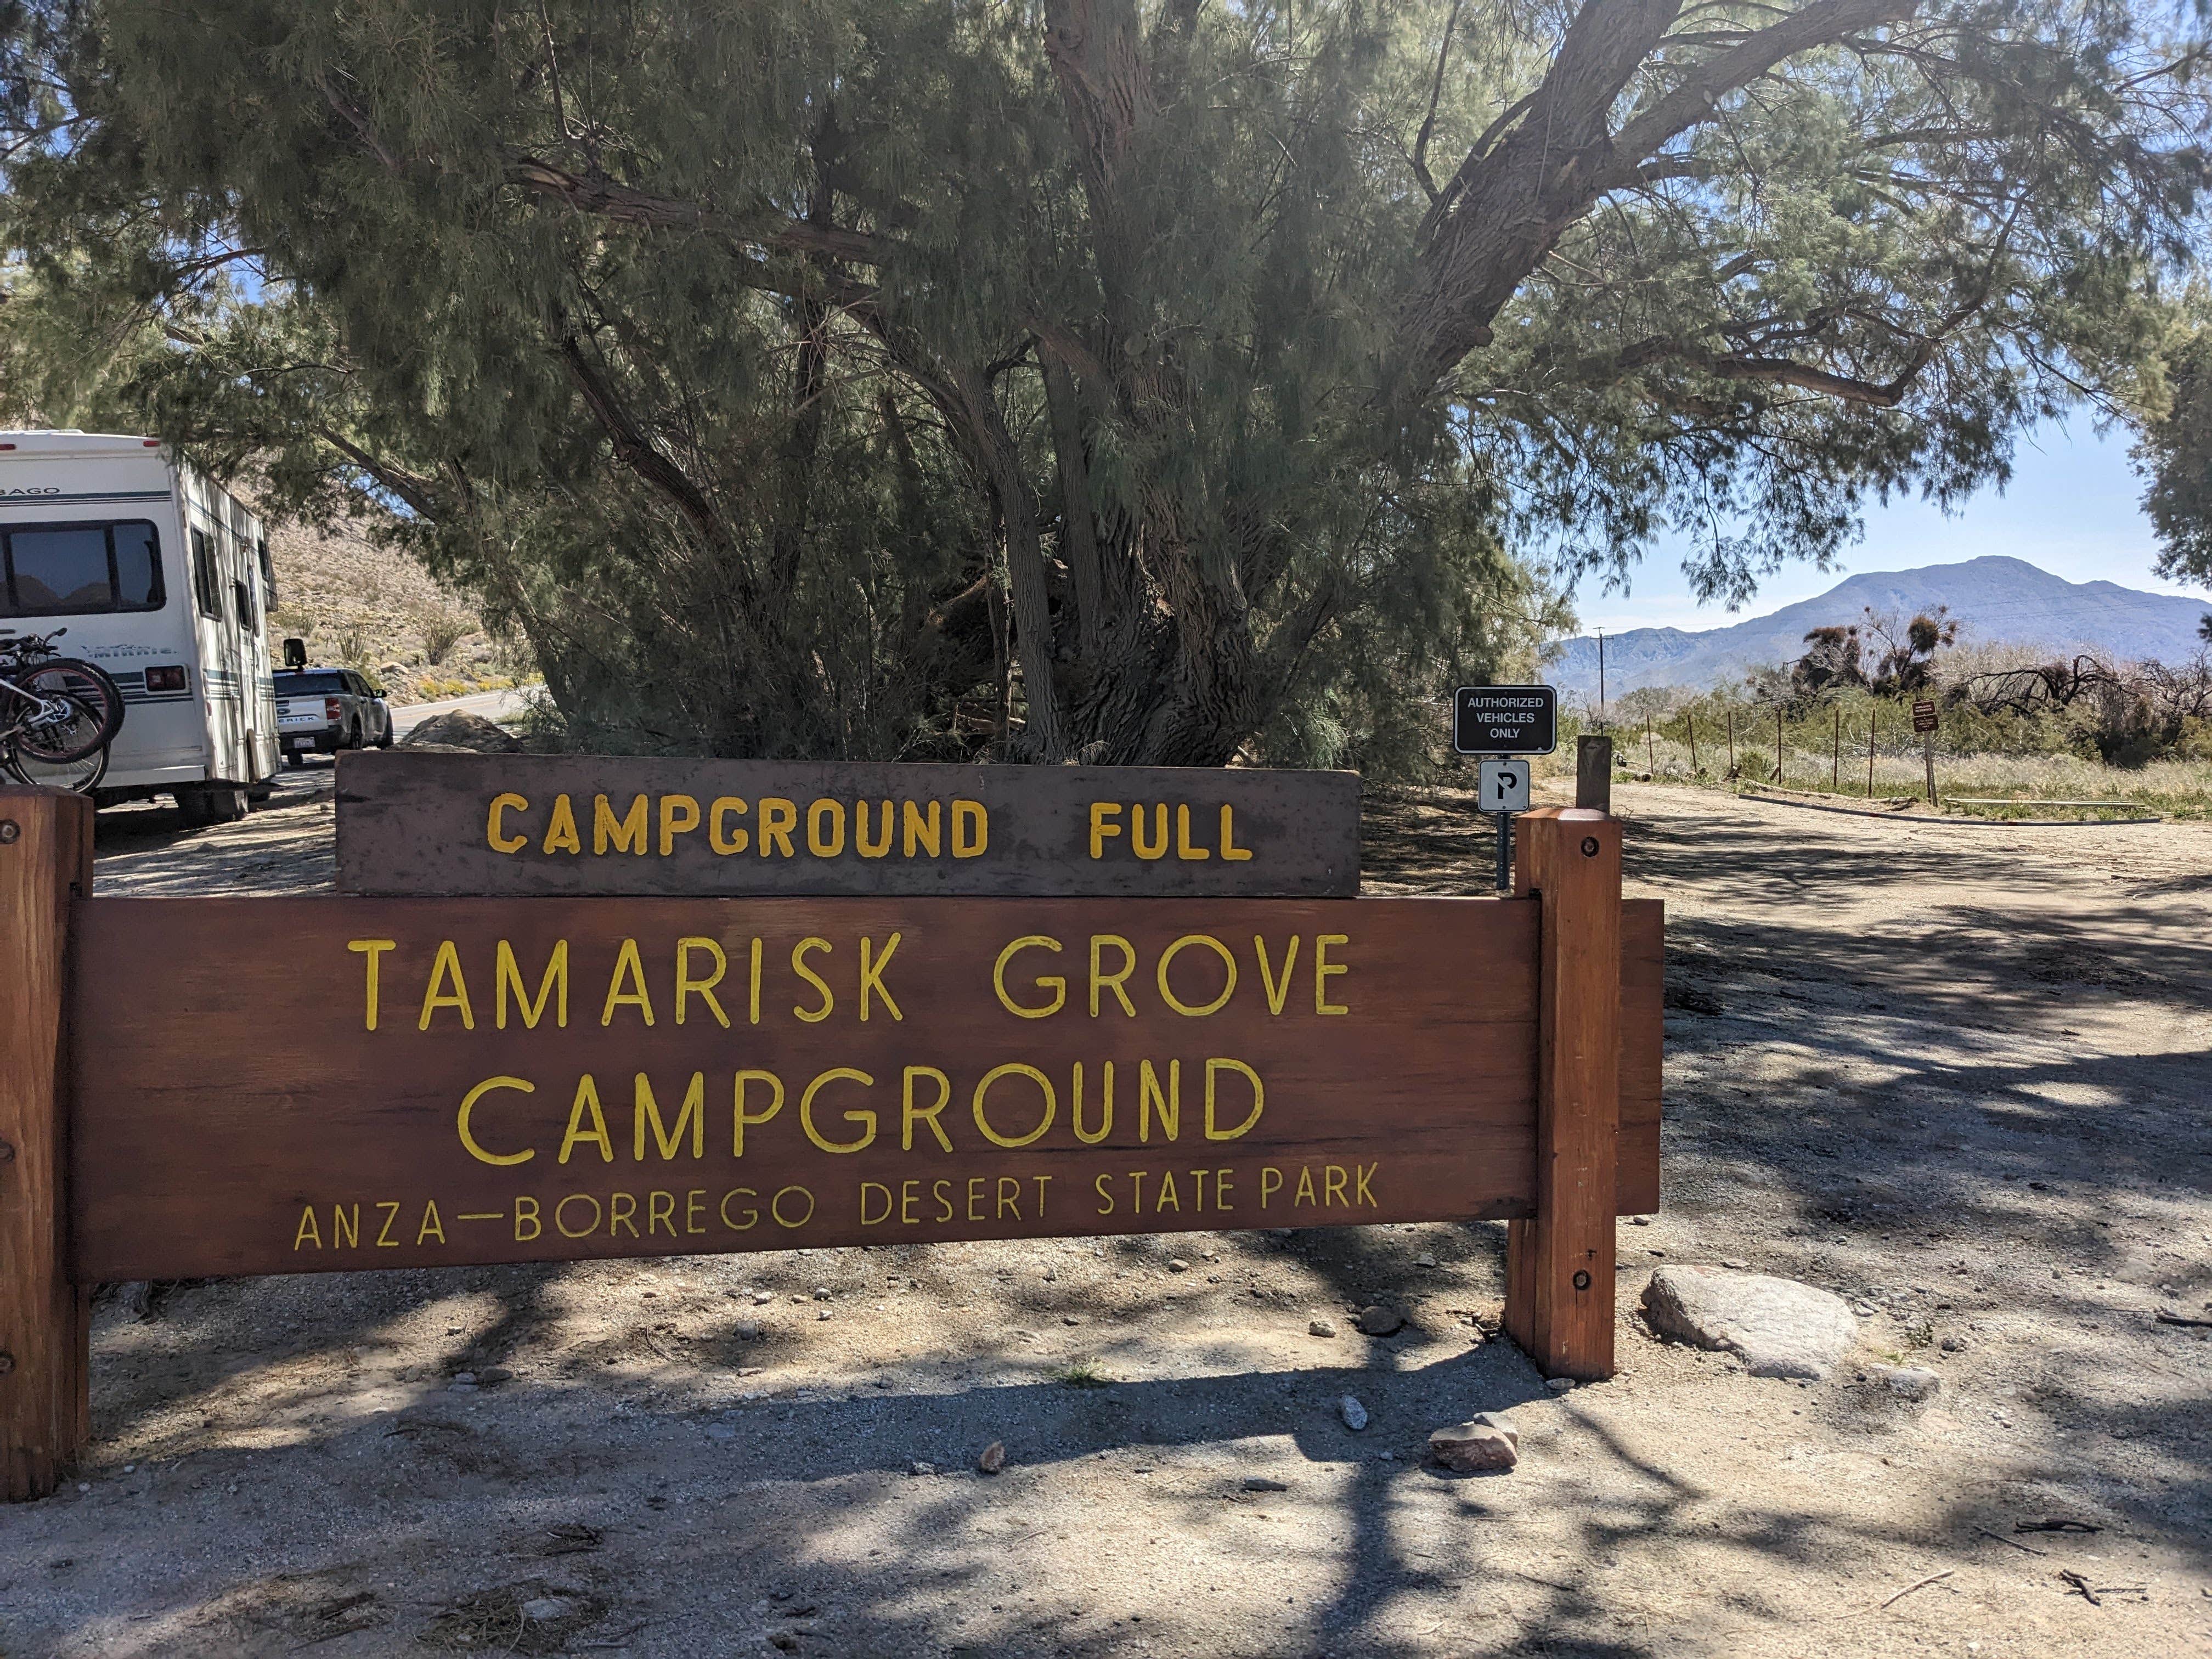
column 1999, row 601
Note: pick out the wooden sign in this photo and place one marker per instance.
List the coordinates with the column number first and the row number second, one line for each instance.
column 1923, row 715
column 572, row 824
column 283, row 1085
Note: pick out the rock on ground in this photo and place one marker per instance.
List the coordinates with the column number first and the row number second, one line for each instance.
column 1472, row 1447
column 458, row 729
column 1779, row 1327
column 1908, row 1381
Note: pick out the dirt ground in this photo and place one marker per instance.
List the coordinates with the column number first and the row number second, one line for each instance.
column 1956, row 1073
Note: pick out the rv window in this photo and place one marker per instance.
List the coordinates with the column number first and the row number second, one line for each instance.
column 243, row 598
column 207, row 585
column 79, row 569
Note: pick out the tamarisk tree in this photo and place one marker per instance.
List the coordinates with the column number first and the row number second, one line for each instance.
column 1083, row 379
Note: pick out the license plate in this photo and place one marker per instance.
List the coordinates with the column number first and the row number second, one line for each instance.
column 303, row 742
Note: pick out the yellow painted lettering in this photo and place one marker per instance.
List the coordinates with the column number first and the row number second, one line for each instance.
column 825, row 829
column 1014, row 1068
column 1117, row 980
column 581, row 1131
column 1271, row 1182
column 1057, row 986
column 1277, row 994
column 812, row 1016
column 741, row 1117
column 1105, row 820
column 553, row 982
column 865, row 1120
column 720, row 837
column 621, row 1212
column 862, row 844
column 971, row 828
column 679, row 815
column 1259, row 1098
column 446, row 970
column 461, row 1125
column 496, row 835
column 777, row 819
column 1230, row 850
column 687, row 987
column 1151, row 1099
column 1185, row 848
column 646, row 1109
column 1198, row 1011
column 527, row 1214
column 881, row 1216
column 1105, row 1110
column 310, row 1230
column 925, row 833
column 371, row 951
column 871, row 975
column 431, row 1226
column 1157, row 846
column 1323, row 969
column 560, row 829
column 627, row 967
column 910, row 1113
column 625, row 833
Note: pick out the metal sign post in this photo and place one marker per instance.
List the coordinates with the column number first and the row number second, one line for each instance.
column 1924, row 722
column 1503, row 791
column 1503, row 724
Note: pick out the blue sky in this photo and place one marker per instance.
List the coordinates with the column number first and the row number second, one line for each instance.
column 2071, row 507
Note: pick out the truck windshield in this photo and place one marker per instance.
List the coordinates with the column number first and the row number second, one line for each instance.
column 79, row 569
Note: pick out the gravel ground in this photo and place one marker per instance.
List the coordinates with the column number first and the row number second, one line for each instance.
column 1957, row 1075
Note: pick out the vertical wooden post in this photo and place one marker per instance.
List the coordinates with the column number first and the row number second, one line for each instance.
column 1731, row 742
column 1836, row 766
column 1777, row 743
column 1594, row 773
column 1560, row 1265
column 45, row 858
column 1650, row 749
column 1690, row 720
column 1870, row 726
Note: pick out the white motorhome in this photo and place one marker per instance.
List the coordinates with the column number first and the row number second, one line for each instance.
column 162, row 579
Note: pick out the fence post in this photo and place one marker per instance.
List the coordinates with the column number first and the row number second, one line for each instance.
column 45, row 858
column 1559, row 1264
column 1594, row 773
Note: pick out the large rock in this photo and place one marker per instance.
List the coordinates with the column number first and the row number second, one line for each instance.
column 1779, row 1327
column 458, row 729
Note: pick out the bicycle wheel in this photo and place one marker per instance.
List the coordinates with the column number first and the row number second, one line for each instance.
column 81, row 776
column 65, row 731
column 87, row 681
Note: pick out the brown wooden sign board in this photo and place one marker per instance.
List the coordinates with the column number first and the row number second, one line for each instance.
column 583, row 824
column 1923, row 715
column 278, row 1085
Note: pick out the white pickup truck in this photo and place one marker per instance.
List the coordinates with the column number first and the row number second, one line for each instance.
column 323, row 710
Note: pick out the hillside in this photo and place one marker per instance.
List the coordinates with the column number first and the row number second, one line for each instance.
column 2000, row 601
column 375, row 609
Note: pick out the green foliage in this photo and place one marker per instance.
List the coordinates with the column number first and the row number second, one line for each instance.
column 1085, row 379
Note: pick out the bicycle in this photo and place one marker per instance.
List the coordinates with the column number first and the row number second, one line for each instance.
column 58, row 714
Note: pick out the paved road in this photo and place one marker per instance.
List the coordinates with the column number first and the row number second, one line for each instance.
column 494, row 706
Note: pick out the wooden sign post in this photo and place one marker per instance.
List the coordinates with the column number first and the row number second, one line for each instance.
column 46, row 860
column 506, row 1078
